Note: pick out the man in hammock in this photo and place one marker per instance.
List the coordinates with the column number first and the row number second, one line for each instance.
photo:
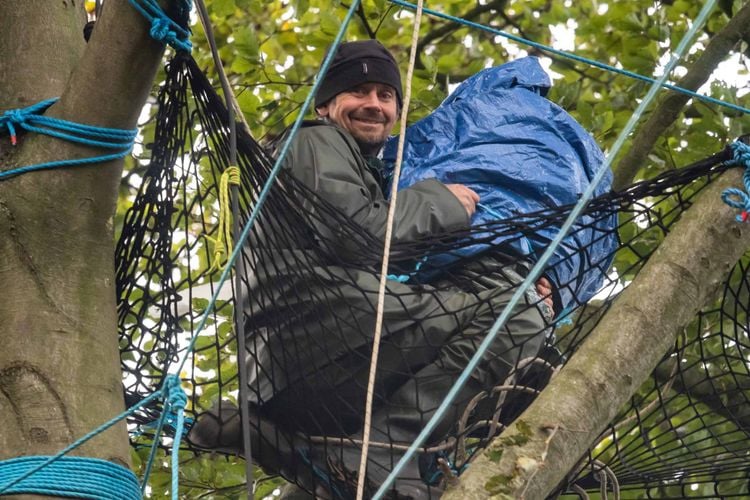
column 311, row 314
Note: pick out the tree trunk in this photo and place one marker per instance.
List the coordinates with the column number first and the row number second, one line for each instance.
column 59, row 363
column 537, row 451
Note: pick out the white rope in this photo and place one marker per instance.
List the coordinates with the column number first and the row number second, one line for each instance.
column 386, row 254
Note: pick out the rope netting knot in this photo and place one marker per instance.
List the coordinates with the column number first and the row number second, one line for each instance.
column 734, row 197
column 160, row 31
column 163, row 28
column 9, row 118
column 175, row 394
column 17, row 118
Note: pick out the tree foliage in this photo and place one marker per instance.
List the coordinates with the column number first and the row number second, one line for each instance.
column 272, row 49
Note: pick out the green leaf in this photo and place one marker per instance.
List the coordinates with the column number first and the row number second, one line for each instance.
column 329, row 22
column 222, row 8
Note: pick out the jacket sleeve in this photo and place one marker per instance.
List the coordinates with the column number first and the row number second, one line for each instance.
column 324, row 161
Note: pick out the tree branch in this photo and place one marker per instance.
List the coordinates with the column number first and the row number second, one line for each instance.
column 537, row 451
column 363, row 17
column 449, row 27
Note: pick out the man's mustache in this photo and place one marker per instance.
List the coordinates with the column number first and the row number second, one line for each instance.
column 375, row 117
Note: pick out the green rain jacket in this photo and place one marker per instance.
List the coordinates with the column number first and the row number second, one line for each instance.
column 314, row 317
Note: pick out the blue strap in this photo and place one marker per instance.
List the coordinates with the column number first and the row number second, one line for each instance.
column 30, row 119
column 163, row 29
column 734, row 197
column 523, row 240
column 322, row 475
column 404, row 278
column 74, row 477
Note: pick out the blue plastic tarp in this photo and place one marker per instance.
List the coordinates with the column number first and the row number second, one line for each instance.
column 498, row 134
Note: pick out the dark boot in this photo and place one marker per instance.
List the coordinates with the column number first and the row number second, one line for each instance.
column 277, row 450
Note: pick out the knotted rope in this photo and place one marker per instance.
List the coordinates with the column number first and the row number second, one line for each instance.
column 30, row 119
column 163, row 29
column 223, row 242
column 734, row 197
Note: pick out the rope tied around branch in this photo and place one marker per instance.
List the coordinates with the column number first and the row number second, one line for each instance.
column 13, row 118
column 160, row 30
column 8, row 119
column 31, row 119
column 735, row 197
column 76, row 477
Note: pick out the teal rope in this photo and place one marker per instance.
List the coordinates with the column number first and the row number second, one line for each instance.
column 538, row 268
column 48, row 461
column 176, row 401
column 575, row 57
column 74, row 477
column 163, row 29
column 523, row 239
column 30, row 119
column 737, row 198
column 171, row 392
column 152, row 452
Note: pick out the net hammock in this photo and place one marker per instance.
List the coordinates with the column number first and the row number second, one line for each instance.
column 309, row 291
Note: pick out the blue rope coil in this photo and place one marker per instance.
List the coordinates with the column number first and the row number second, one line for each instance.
column 30, row 119
column 734, row 197
column 73, row 477
column 163, row 29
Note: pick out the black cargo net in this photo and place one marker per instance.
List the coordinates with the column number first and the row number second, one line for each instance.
column 309, row 299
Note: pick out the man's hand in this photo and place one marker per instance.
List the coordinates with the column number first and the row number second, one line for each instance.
column 544, row 289
column 466, row 196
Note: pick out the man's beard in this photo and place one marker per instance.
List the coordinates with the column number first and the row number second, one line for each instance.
column 370, row 146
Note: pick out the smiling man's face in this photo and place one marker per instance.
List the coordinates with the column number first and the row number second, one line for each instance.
column 368, row 111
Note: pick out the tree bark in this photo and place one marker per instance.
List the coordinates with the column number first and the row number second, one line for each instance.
column 668, row 109
column 59, row 365
column 536, row 452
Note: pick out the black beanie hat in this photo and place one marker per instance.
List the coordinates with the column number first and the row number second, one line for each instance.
column 356, row 63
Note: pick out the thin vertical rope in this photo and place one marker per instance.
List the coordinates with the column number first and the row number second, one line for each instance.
column 386, row 257
column 238, row 269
